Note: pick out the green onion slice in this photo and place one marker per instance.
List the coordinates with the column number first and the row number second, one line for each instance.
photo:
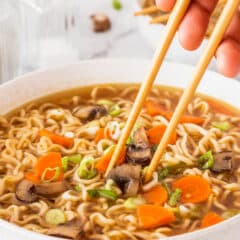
column 75, row 159
column 133, row 203
column 230, row 213
column 174, row 197
column 117, row 4
column 224, row 126
column 55, row 217
column 55, row 176
column 87, row 169
column 163, row 173
column 115, row 110
column 105, row 102
column 206, row 160
column 109, row 194
column 165, row 185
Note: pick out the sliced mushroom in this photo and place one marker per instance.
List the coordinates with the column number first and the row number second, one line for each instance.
column 51, row 189
column 223, row 161
column 70, row 230
column 89, row 113
column 127, row 177
column 101, row 22
column 139, row 152
column 140, row 138
column 25, row 192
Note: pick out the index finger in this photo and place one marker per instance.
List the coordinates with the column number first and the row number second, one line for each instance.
column 165, row 5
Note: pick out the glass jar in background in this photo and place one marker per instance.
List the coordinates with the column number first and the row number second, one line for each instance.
column 9, row 41
column 49, row 32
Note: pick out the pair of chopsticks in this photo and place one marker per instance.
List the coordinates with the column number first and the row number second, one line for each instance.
column 172, row 26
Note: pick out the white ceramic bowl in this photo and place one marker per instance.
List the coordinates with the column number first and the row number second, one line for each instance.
column 35, row 85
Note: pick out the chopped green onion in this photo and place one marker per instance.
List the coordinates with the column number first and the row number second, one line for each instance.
column 115, row 110
column 87, row 169
column 109, row 184
column 73, row 159
column 165, row 185
column 105, row 102
column 163, row 174
column 76, row 188
column 206, row 160
column 117, row 4
column 230, row 213
column 224, row 126
column 132, row 203
column 109, row 194
column 172, row 170
column 55, row 217
column 122, row 125
column 174, row 197
column 195, row 213
column 129, row 140
column 55, row 177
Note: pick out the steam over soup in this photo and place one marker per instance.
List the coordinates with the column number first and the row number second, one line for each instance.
column 54, row 153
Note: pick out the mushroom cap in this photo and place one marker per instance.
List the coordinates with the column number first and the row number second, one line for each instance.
column 25, row 191
column 70, row 230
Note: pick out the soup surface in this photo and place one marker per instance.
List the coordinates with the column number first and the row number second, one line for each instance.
column 54, row 153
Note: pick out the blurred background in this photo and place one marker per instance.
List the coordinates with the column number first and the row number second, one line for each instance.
column 37, row 34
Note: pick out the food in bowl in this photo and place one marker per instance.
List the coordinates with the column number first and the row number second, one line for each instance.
column 55, row 151
column 158, row 17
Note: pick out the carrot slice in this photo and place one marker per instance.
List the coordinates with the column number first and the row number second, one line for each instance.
column 157, row 195
column 211, row 219
column 50, row 161
column 186, row 118
column 64, row 141
column 152, row 216
column 220, row 108
column 195, row 189
column 155, row 135
column 154, row 109
column 100, row 135
column 103, row 162
column 32, row 177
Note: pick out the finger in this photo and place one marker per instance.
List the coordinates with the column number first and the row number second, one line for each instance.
column 228, row 57
column 194, row 25
column 228, row 54
column 165, row 5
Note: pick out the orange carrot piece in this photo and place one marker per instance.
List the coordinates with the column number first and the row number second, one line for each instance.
column 152, row 216
column 211, row 219
column 100, row 135
column 195, row 189
column 64, row 141
column 52, row 160
column 155, row 135
column 220, row 108
column 157, row 195
column 32, row 177
column 154, row 108
column 103, row 162
column 186, row 118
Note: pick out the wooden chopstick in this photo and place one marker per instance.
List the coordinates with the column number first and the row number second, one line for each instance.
column 215, row 39
column 160, row 19
column 171, row 28
column 147, row 10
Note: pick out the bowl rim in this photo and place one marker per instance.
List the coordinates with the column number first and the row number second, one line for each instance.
column 117, row 62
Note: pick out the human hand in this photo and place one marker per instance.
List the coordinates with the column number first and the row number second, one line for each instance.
column 197, row 18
